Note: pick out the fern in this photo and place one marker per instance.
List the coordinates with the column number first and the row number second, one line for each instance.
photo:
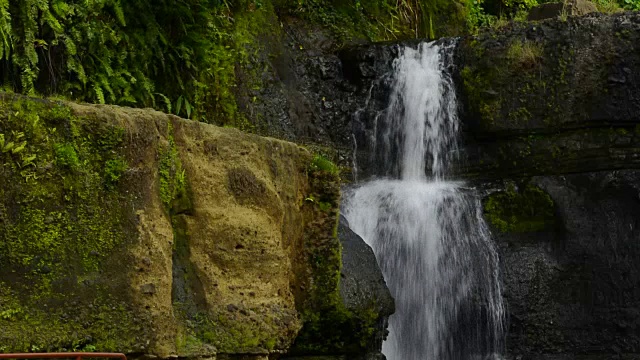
column 5, row 29
column 98, row 93
column 117, row 9
column 167, row 101
column 135, row 52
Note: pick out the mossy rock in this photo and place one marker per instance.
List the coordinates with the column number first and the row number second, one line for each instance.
column 64, row 223
column 527, row 209
column 135, row 231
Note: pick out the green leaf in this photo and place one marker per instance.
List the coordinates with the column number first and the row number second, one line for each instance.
column 187, row 107
column 19, row 148
column 167, row 102
column 179, row 105
column 99, row 93
column 8, row 147
column 28, row 160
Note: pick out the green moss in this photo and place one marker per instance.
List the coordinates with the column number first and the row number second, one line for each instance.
column 524, row 54
column 113, row 170
column 501, row 81
column 484, row 102
column 622, row 131
column 59, row 228
column 328, row 327
column 520, row 115
column 528, row 210
column 320, row 163
column 66, row 156
column 230, row 332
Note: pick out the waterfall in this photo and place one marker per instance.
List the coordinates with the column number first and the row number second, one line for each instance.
column 428, row 233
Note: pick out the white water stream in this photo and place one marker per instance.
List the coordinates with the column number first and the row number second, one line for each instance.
column 428, row 234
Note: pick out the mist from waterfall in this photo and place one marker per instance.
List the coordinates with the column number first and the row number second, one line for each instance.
column 428, row 233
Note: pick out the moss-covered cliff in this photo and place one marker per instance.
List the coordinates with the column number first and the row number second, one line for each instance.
column 553, row 108
column 556, row 96
column 136, row 231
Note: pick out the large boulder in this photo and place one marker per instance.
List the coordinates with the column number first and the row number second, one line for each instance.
column 135, row 231
column 362, row 285
column 561, row 9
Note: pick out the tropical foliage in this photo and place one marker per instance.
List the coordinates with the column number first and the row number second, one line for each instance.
column 174, row 55
column 182, row 56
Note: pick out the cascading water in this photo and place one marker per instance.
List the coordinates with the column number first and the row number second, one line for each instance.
column 428, row 234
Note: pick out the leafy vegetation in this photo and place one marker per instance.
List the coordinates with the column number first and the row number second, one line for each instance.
column 386, row 19
column 174, row 56
column 321, row 163
column 182, row 56
column 524, row 54
column 495, row 13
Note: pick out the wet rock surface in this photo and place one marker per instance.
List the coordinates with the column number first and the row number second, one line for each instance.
column 572, row 289
column 558, row 120
column 555, row 104
column 362, row 285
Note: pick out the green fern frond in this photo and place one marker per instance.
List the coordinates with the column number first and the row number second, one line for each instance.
column 117, row 9
column 167, row 101
column 98, row 93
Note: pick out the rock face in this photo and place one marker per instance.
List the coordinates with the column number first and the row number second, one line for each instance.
column 572, row 284
column 304, row 98
column 136, row 231
column 560, row 97
column 362, row 285
column 364, row 294
column 551, row 125
column 553, row 109
column 362, row 282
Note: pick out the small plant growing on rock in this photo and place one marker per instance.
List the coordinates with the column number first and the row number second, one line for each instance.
column 526, row 54
column 320, row 163
column 114, row 169
column 66, row 156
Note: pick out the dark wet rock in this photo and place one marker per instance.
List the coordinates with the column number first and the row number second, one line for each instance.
column 362, row 285
column 552, row 98
column 565, row 119
column 573, row 288
column 359, row 325
column 304, row 96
